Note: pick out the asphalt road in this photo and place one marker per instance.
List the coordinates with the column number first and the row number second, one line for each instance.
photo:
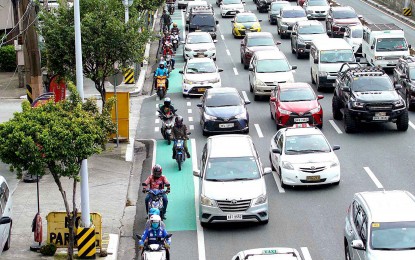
column 308, row 219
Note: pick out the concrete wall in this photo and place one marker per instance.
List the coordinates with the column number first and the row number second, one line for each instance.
column 398, row 5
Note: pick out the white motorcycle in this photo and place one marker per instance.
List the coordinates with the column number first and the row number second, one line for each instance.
column 169, row 62
column 175, row 41
column 167, row 123
column 155, row 251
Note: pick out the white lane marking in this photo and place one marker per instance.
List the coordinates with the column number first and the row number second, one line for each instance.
column 411, row 125
column 306, row 253
column 157, row 106
column 373, row 177
column 245, row 95
column 157, row 121
column 189, row 104
column 157, row 113
column 223, row 37
column 258, row 129
column 199, row 229
column 188, row 98
column 183, row 29
column 191, row 127
column 190, row 119
column 333, row 124
column 228, row 52
column 235, row 71
column 189, row 110
column 156, row 129
column 278, row 182
column 157, row 99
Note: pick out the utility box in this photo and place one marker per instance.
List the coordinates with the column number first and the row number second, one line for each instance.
column 123, row 103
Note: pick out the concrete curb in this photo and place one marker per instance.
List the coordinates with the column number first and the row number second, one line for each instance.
column 112, row 249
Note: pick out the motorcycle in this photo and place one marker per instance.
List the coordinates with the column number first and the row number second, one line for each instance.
column 155, row 251
column 161, row 86
column 168, row 62
column 175, row 41
column 167, row 125
column 180, row 152
column 170, row 7
column 156, row 200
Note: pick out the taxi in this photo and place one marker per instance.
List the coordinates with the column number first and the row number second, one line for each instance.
column 245, row 22
column 275, row 253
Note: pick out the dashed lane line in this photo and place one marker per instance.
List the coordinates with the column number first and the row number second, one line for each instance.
column 223, row 37
column 306, row 253
column 258, row 130
column 157, row 121
column 235, row 71
column 191, row 127
column 228, row 52
column 411, row 125
column 278, row 182
column 189, row 104
column 333, row 124
column 190, row 119
column 156, row 129
column 245, row 95
column 189, row 110
column 373, row 177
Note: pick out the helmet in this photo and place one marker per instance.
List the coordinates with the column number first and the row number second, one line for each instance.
column 167, row 101
column 154, row 211
column 161, row 59
column 155, row 221
column 174, row 24
column 161, row 65
column 157, row 170
column 178, row 121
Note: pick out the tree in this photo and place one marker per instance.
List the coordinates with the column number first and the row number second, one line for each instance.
column 106, row 40
column 56, row 137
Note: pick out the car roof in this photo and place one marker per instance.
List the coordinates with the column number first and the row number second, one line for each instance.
column 389, row 206
column 259, row 34
column 331, row 44
column 292, row 7
column 294, row 85
column 222, row 90
column 270, row 55
column 200, row 60
column 309, row 22
column 277, row 253
column 220, row 144
column 292, row 131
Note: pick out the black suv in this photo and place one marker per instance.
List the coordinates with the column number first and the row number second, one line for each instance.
column 404, row 74
column 367, row 94
column 202, row 19
column 263, row 5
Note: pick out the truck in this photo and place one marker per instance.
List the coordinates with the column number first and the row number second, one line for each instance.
column 384, row 44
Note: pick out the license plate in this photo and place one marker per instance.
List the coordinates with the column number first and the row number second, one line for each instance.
column 201, row 89
column 300, row 120
column 234, row 217
column 381, row 118
column 233, row 12
column 228, row 125
column 313, row 178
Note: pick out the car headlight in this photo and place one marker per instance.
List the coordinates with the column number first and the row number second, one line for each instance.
column 378, row 57
column 315, row 110
column 357, row 104
column 334, row 164
column 283, row 111
column 214, row 80
column 241, row 116
column 209, row 117
column 186, row 81
column 287, row 165
column 260, row 83
column 260, row 200
column 309, row 11
column 187, row 49
column 212, row 48
column 399, row 103
column 207, row 201
column 322, row 73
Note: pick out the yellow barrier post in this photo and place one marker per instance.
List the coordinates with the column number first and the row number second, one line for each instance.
column 86, row 240
column 129, row 76
column 407, row 11
column 123, row 100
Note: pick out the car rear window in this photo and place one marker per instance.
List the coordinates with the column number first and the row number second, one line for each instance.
column 344, row 14
column 232, row 169
column 293, row 13
column 223, row 100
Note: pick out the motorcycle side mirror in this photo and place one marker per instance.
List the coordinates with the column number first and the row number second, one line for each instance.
column 169, row 235
column 144, row 184
column 181, row 71
column 199, row 105
column 138, row 236
column 220, row 70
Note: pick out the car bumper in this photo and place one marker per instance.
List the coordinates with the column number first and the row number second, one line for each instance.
column 297, row 177
column 264, row 6
column 222, row 126
column 316, row 15
column 286, row 29
column 263, row 91
column 242, row 32
column 196, row 54
column 386, row 64
column 273, row 18
column 327, row 81
column 290, row 120
column 376, row 116
column 198, row 89
column 255, row 213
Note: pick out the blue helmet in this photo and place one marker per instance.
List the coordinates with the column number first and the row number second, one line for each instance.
column 154, row 211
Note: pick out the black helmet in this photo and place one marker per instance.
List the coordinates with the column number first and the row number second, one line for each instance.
column 167, row 102
column 178, row 121
column 157, row 171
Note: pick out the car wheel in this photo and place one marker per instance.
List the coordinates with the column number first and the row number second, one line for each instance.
column 320, row 126
column 185, row 95
column 246, row 66
column 8, row 242
column 204, row 224
column 293, row 51
column 205, row 133
column 403, row 121
column 242, row 60
column 346, row 250
column 319, row 87
column 251, row 89
column 335, row 107
column 214, row 59
column 256, row 97
column 278, row 31
column 312, row 79
column 270, row 112
column 283, row 185
column 350, row 124
column 408, row 103
column 270, row 161
column 336, row 183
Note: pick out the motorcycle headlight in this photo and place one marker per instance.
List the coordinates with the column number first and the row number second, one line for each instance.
column 356, row 104
column 287, row 165
column 207, row 201
column 214, row 80
column 260, row 200
column 209, row 117
column 399, row 103
column 241, row 116
column 260, row 83
column 186, row 81
column 283, row 111
column 315, row 110
column 187, row 49
column 334, row 164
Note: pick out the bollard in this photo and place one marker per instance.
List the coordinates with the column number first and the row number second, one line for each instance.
column 86, row 241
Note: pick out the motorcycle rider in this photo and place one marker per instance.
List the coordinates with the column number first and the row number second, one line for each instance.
column 155, row 234
column 180, row 132
column 162, row 71
column 164, row 62
column 166, row 20
column 175, row 29
column 169, row 3
column 152, row 212
column 168, row 50
column 157, row 181
column 167, row 107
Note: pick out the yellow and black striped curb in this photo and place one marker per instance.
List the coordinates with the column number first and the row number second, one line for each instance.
column 86, row 240
column 29, row 93
column 407, row 11
column 129, row 76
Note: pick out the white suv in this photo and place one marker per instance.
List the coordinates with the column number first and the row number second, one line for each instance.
column 231, row 7
column 5, row 215
column 232, row 186
column 199, row 45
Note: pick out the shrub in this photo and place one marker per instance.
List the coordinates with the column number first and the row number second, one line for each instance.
column 48, row 249
column 7, row 58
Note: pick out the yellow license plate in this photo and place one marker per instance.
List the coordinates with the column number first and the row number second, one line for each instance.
column 313, row 178
column 201, row 89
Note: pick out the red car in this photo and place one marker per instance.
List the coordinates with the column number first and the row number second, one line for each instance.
column 295, row 103
column 339, row 17
column 256, row 41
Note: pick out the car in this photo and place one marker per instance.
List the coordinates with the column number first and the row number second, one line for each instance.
column 274, row 10
column 404, row 74
column 367, row 94
column 6, row 204
column 199, row 44
column 253, row 42
column 203, row 19
column 245, row 22
column 276, row 253
column 231, row 7
column 194, row 4
column 287, row 17
column 231, row 181
column 263, row 5
column 304, row 32
column 353, row 35
column 303, row 156
column 198, row 75
column 293, row 103
column 316, row 9
column 339, row 17
column 380, row 225
column 223, row 110
column 267, row 69
column 182, row 4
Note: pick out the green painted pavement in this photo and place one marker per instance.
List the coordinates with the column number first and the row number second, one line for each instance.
column 175, row 78
column 181, row 213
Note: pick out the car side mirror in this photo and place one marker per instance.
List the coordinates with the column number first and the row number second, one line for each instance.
column 308, row 15
column 360, row 16
column 328, row 31
column 181, row 71
column 336, row 147
column 276, row 150
column 372, row 47
column 320, row 97
column 278, row 16
column 220, row 70
column 217, row 22
column 402, row 76
column 143, row 184
column 357, row 59
column 346, row 89
column 215, row 41
column 199, row 105
column 196, row 173
column 358, row 244
column 5, row 220
column 267, row 170
column 410, row 46
column 251, row 69
column 398, row 86
column 247, row 102
column 294, row 67
column 277, row 43
column 293, row 33
column 259, row 20
column 273, row 99
column 232, row 21
column 315, row 61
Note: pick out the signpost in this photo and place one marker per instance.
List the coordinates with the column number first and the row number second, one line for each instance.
column 116, row 80
column 127, row 3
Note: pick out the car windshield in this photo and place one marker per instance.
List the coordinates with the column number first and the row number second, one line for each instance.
column 317, row 3
column 344, row 14
column 278, row 6
column 232, row 169
column 293, row 13
column 334, row 56
column 412, row 73
column 357, row 33
column 311, row 29
column 223, row 100
column 296, row 94
column 202, row 20
column 228, row 2
column 260, row 41
column 315, row 143
column 391, row 44
column 201, row 38
column 246, row 18
column 201, row 67
column 393, row 235
column 375, row 83
column 270, row 66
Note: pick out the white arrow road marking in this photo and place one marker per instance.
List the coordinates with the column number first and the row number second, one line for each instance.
column 258, row 129
column 411, row 125
column 373, row 177
column 333, row 124
column 306, row 253
column 156, row 129
column 278, row 182
column 235, row 71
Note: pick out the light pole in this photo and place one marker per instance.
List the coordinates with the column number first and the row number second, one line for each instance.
column 127, row 4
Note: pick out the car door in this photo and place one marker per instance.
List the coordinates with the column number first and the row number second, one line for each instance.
column 279, row 17
column 345, row 94
column 329, row 19
column 243, row 46
column 5, row 211
column 277, row 142
column 202, row 108
column 273, row 104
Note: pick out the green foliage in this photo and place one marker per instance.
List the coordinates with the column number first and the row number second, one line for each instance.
column 48, row 249
column 144, row 5
column 7, row 58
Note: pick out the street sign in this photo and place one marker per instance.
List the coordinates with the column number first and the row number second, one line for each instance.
column 116, row 79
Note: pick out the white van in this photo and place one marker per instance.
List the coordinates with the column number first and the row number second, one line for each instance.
column 5, row 215
column 326, row 58
column 190, row 5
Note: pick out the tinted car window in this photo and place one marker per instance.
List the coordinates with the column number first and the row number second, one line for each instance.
column 223, row 100
column 334, row 56
column 201, row 38
column 227, row 2
column 246, row 18
column 311, row 29
column 297, row 94
column 260, row 41
column 393, row 235
column 202, row 20
column 230, row 169
column 201, row 67
column 293, row 13
column 270, row 66
column 372, row 84
column 344, row 14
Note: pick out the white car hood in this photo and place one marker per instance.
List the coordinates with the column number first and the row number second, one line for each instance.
column 201, row 76
column 331, row 67
column 237, row 190
column 310, row 158
column 293, row 20
column 232, row 7
column 275, row 77
column 318, row 8
column 200, row 46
